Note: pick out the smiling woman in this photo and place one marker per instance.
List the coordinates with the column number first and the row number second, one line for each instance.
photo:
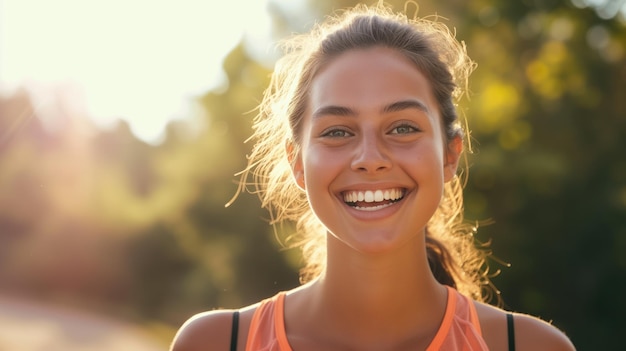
column 358, row 142
column 142, row 61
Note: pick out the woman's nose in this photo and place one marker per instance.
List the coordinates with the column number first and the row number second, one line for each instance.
column 371, row 156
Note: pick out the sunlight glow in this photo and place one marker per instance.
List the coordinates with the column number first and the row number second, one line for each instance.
column 143, row 61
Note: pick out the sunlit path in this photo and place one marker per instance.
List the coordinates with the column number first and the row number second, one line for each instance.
column 28, row 326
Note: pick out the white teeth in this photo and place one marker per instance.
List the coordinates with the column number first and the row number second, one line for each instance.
column 378, row 196
column 373, row 195
column 373, row 208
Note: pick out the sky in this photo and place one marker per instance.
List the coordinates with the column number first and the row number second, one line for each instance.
column 140, row 60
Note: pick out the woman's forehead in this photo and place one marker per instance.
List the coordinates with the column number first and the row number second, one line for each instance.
column 370, row 78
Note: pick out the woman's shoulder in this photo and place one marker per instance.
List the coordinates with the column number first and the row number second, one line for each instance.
column 531, row 333
column 205, row 331
column 212, row 330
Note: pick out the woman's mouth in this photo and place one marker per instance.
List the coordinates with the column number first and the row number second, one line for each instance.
column 372, row 200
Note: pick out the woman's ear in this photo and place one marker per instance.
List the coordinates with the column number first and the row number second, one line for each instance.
column 295, row 161
column 453, row 154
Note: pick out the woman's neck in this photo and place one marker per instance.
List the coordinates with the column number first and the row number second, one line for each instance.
column 401, row 276
column 375, row 297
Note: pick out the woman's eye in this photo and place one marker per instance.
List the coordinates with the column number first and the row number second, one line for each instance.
column 404, row 129
column 336, row 133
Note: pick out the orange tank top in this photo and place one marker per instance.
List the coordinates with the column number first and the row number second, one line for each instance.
column 459, row 330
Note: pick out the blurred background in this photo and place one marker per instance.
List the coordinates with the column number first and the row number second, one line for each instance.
column 122, row 125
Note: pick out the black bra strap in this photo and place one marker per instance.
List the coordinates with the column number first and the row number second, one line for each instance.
column 511, row 331
column 234, row 331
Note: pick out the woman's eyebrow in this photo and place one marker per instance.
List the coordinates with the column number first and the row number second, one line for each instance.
column 406, row 105
column 334, row 110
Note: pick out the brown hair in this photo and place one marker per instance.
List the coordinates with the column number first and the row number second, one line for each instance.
column 451, row 249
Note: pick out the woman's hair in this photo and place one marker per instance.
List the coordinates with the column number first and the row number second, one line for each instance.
column 452, row 253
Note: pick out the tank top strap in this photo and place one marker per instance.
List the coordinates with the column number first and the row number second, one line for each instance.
column 267, row 327
column 446, row 323
column 474, row 316
column 279, row 323
column 460, row 327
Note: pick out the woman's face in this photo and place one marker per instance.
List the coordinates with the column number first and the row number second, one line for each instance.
column 374, row 158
